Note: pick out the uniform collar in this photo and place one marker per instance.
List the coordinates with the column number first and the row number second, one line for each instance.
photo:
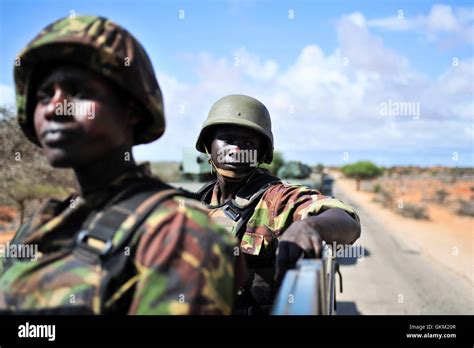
column 97, row 198
column 216, row 191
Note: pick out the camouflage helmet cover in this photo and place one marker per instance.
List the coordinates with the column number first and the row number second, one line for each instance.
column 102, row 46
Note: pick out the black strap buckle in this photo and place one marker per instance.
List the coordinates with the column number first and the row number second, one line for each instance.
column 231, row 212
column 83, row 239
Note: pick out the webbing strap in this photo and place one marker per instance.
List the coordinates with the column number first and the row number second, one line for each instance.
column 241, row 208
column 204, row 190
column 245, row 212
column 97, row 237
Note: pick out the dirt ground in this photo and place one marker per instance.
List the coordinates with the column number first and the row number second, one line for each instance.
column 446, row 237
column 7, row 217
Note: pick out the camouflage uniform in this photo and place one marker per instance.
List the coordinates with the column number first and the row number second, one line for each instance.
column 264, row 207
column 175, row 262
column 281, row 204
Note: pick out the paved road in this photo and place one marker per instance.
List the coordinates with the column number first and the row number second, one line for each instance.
column 392, row 277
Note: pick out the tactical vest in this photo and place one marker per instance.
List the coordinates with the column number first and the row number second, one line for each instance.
column 235, row 213
column 256, row 296
column 98, row 266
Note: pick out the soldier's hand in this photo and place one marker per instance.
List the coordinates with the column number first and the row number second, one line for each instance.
column 299, row 240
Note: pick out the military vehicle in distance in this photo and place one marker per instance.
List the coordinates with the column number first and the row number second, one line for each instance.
column 195, row 166
column 296, row 172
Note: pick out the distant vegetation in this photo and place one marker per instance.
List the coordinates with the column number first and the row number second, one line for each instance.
column 410, row 190
column 26, row 177
column 167, row 171
column 277, row 163
column 363, row 170
column 435, row 171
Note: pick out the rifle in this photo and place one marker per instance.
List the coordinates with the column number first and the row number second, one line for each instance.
column 309, row 289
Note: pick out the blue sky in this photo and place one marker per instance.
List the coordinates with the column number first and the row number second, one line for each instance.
column 334, row 64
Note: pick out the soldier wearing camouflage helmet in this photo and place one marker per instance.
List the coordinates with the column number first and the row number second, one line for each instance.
column 125, row 242
column 276, row 222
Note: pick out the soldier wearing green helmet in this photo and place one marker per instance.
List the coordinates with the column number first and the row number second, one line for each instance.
column 125, row 242
column 275, row 222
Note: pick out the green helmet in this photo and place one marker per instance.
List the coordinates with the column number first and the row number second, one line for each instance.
column 102, row 46
column 239, row 110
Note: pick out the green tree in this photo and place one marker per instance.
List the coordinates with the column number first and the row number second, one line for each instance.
column 277, row 163
column 318, row 168
column 362, row 170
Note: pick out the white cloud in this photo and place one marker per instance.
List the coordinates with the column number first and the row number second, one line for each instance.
column 441, row 18
column 356, row 42
column 458, row 79
column 253, row 67
column 441, row 21
column 323, row 103
column 393, row 23
column 329, row 102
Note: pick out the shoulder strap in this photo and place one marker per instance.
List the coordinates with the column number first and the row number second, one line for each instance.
column 241, row 208
column 16, row 240
column 254, row 187
column 49, row 207
column 96, row 240
column 203, row 192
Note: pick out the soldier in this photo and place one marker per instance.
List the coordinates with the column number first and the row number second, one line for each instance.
column 126, row 242
column 276, row 222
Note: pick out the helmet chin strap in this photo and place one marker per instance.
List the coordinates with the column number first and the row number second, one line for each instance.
column 228, row 175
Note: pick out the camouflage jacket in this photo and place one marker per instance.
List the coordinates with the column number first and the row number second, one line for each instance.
column 281, row 204
column 179, row 262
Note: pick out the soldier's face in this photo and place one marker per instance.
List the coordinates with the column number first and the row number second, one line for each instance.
column 78, row 117
column 236, row 148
